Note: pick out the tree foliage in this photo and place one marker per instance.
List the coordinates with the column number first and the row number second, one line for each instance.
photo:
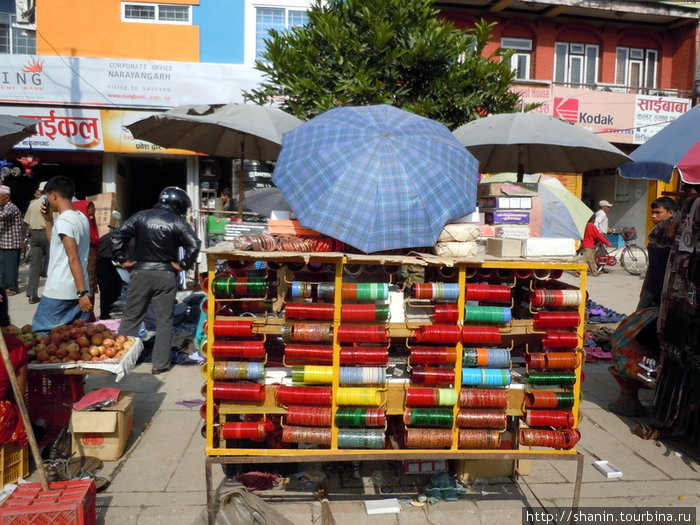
column 398, row 52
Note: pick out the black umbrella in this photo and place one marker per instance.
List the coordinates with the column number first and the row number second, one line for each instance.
column 247, row 131
column 13, row 130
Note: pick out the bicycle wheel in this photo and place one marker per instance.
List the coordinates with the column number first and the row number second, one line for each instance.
column 634, row 259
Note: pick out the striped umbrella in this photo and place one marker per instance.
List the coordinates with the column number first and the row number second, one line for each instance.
column 675, row 147
column 376, row 177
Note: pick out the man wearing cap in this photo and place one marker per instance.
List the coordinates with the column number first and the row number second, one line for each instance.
column 38, row 241
column 10, row 241
column 601, row 217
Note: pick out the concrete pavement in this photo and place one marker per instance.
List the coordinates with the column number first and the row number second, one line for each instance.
column 160, row 478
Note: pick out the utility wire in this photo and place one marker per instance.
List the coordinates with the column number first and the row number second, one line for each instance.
column 109, row 101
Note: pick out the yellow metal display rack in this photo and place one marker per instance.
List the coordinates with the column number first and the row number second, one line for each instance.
column 517, row 330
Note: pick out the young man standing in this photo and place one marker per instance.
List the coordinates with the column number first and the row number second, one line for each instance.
column 659, row 247
column 65, row 296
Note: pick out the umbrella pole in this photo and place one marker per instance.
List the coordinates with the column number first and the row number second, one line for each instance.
column 241, row 184
column 19, row 399
column 521, row 165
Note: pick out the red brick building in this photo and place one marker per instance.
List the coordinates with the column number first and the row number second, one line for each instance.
column 620, row 68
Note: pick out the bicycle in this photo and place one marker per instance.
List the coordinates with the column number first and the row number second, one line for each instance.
column 633, row 258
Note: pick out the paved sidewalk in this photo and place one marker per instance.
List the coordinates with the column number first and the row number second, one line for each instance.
column 160, row 478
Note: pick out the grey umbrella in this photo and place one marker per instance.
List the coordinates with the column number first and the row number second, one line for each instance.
column 15, row 129
column 223, row 130
column 263, row 200
column 534, row 142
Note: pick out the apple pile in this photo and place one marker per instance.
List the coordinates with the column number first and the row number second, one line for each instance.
column 78, row 342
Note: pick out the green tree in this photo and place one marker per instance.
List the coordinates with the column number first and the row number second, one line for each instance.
column 398, row 52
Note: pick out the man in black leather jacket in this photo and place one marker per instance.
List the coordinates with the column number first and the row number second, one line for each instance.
column 158, row 234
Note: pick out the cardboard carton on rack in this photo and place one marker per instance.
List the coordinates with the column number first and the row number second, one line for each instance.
column 290, row 227
column 513, row 231
column 503, row 247
column 549, row 247
column 506, row 203
column 505, row 189
column 507, row 217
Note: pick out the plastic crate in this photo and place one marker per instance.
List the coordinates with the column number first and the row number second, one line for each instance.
column 14, row 462
column 51, row 397
column 616, row 240
column 65, row 503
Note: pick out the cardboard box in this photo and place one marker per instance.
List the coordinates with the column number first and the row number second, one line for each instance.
column 105, row 204
column 503, row 247
column 496, row 189
column 467, row 470
column 425, row 467
column 507, row 217
column 103, row 433
column 506, row 203
column 292, row 227
column 513, row 231
column 549, row 247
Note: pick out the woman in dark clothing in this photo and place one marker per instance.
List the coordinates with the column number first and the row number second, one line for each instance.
column 108, row 278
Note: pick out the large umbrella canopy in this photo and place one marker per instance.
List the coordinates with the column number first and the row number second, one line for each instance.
column 376, row 177
column 535, row 142
column 676, row 146
column 223, row 130
column 263, row 200
column 15, row 129
column 556, row 212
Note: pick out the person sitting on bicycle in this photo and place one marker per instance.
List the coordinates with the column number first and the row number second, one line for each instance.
column 659, row 246
column 591, row 235
column 601, row 217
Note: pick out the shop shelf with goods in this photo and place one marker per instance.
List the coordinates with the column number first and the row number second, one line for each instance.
column 334, row 355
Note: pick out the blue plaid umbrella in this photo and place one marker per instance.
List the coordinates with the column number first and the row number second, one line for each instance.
column 376, row 177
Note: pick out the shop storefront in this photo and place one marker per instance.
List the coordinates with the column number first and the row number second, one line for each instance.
column 83, row 106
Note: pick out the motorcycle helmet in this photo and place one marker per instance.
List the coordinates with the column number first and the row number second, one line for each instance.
column 175, row 197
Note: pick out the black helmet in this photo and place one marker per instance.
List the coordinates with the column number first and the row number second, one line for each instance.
column 176, row 198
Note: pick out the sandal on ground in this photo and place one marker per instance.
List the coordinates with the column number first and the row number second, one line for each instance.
column 77, row 467
column 650, row 432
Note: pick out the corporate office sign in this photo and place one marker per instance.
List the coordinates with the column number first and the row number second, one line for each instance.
column 108, row 82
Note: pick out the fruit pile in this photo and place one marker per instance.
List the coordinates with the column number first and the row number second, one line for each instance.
column 78, row 342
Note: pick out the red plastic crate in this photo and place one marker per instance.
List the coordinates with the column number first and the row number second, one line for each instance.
column 65, row 503
column 51, row 397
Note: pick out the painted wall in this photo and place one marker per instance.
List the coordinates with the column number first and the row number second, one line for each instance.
column 676, row 46
column 90, row 28
column 222, row 30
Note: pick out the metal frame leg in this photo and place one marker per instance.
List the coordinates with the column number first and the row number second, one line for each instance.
column 211, row 493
